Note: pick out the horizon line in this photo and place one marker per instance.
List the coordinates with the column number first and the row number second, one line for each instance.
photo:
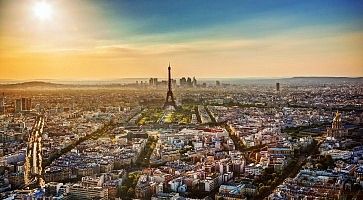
column 126, row 78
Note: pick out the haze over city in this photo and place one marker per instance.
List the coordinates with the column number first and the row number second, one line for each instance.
column 181, row 99
column 123, row 39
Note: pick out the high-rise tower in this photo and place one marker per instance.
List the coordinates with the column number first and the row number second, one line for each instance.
column 278, row 87
column 2, row 104
column 169, row 101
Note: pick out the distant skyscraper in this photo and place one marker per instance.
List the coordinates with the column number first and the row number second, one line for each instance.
column 151, row 81
column 18, row 105
column 194, row 82
column 26, row 104
column 189, row 82
column 277, row 86
column 155, row 81
column 183, row 81
column 218, row 83
column 2, row 104
column 23, row 104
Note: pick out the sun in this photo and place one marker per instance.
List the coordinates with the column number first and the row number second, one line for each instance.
column 43, row 10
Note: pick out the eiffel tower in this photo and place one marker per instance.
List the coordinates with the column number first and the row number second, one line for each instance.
column 169, row 101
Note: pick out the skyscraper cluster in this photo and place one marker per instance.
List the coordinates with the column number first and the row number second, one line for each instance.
column 23, row 104
column 188, row 82
column 153, row 81
column 183, row 82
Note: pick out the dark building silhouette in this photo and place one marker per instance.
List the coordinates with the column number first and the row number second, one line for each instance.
column 151, row 81
column 23, row 104
column 277, row 86
column 189, row 82
column 2, row 104
column 169, row 101
column 194, row 82
column 183, row 81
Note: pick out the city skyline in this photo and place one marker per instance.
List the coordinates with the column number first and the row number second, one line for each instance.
column 103, row 40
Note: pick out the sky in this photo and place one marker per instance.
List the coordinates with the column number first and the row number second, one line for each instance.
column 94, row 39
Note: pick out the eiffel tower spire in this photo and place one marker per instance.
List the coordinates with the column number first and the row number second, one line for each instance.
column 169, row 101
